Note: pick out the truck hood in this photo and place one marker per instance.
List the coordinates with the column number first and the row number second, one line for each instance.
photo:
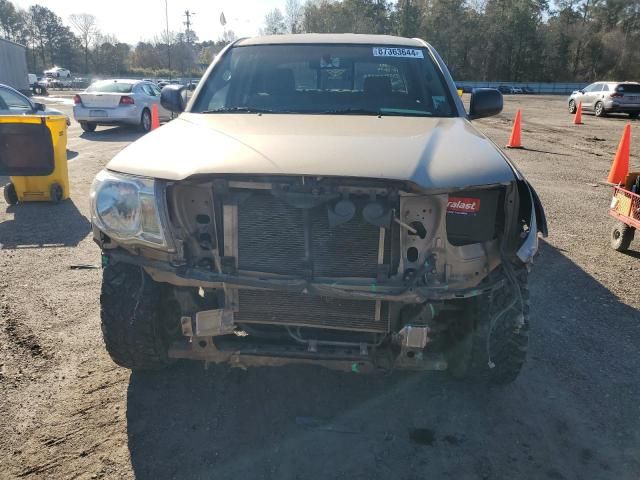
column 429, row 152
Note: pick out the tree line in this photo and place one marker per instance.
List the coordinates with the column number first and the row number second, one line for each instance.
column 82, row 48
column 491, row 40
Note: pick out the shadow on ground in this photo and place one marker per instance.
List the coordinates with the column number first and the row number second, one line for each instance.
column 554, row 422
column 43, row 224
column 113, row 134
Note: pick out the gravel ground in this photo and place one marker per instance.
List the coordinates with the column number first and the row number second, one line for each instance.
column 66, row 411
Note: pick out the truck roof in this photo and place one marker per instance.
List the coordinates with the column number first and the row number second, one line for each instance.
column 332, row 38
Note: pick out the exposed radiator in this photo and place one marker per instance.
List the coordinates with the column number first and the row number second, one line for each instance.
column 271, row 239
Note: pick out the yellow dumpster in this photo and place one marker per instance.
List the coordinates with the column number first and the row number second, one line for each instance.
column 33, row 153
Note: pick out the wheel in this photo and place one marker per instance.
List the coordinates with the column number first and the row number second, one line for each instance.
column 56, row 193
column 572, row 106
column 88, row 126
column 599, row 110
column 145, row 121
column 494, row 348
column 130, row 310
column 634, row 114
column 621, row 236
column 10, row 194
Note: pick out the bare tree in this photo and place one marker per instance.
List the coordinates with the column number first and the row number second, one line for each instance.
column 85, row 24
column 294, row 13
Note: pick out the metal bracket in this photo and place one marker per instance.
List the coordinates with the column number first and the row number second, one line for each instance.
column 210, row 323
column 187, row 327
column 414, row 337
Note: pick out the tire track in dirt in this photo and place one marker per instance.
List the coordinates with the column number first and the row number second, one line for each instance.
column 19, row 335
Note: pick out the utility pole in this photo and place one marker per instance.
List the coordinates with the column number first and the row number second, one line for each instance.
column 188, row 35
column 188, row 14
column 166, row 16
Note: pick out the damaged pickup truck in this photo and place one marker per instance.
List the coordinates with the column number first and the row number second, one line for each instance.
column 325, row 199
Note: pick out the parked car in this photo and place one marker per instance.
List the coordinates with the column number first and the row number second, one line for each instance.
column 505, row 89
column 528, row 90
column 118, row 102
column 12, row 102
column 602, row 98
column 192, row 84
column 517, row 90
column 57, row 72
column 35, row 84
column 323, row 198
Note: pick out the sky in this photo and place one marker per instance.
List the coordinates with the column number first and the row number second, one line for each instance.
column 134, row 20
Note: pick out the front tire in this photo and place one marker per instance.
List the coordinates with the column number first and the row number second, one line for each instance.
column 622, row 236
column 572, row 106
column 130, row 310
column 88, row 126
column 495, row 347
column 599, row 110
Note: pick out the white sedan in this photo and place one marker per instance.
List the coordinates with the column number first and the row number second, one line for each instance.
column 118, row 102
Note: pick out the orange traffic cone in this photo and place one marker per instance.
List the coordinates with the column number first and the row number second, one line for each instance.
column 620, row 167
column 514, row 140
column 577, row 120
column 155, row 118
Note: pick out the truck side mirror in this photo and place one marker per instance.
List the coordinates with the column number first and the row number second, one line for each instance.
column 174, row 98
column 485, row 102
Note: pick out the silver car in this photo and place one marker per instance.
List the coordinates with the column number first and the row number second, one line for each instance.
column 602, row 98
column 12, row 102
column 118, row 102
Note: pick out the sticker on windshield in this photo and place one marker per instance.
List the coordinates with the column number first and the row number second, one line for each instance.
column 397, row 52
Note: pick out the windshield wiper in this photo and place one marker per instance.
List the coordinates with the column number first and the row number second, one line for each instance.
column 240, row 110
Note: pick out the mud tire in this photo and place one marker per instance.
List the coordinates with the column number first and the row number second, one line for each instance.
column 501, row 362
column 130, row 312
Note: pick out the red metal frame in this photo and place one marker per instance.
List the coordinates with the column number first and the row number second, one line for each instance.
column 633, row 218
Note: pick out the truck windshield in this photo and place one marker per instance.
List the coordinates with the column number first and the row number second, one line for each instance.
column 326, row 79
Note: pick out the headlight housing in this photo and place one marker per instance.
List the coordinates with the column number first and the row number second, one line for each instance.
column 127, row 208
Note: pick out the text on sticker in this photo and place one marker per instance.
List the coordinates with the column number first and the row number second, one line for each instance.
column 397, row 52
column 463, row 205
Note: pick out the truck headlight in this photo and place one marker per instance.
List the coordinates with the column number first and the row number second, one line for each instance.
column 126, row 208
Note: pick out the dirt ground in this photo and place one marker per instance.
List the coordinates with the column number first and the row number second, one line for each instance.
column 66, row 411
